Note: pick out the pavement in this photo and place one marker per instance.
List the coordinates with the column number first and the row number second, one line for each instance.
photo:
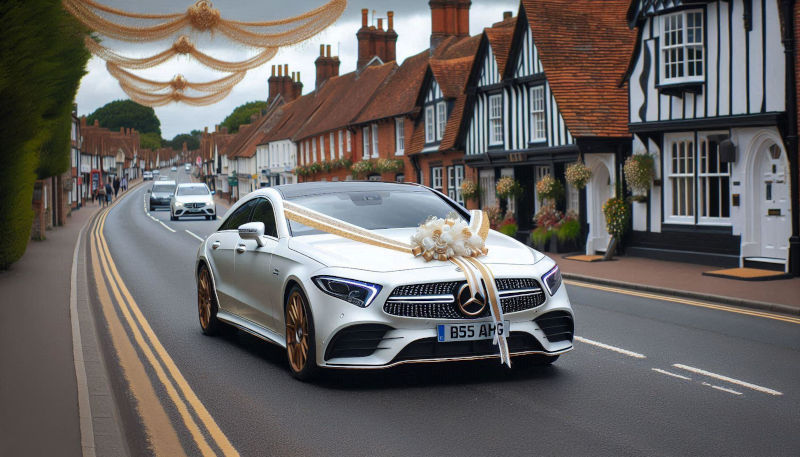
column 685, row 280
column 40, row 388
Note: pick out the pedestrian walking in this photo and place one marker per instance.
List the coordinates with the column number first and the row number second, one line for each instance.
column 109, row 192
column 100, row 192
column 124, row 183
column 116, row 186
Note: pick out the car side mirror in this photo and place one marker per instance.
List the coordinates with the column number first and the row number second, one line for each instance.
column 252, row 231
column 149, row 191
column 213, row 192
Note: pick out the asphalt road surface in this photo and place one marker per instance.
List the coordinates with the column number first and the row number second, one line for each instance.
column 647, row 376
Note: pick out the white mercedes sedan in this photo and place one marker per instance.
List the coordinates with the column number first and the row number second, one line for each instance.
column 320, row 270
column 192, row 199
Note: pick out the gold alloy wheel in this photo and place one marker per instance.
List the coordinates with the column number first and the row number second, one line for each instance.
column 296, row 332
column 204, row 298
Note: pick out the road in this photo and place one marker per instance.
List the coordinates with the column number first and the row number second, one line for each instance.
column 647, row 377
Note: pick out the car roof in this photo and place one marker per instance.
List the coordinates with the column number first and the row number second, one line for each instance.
column 290, row 191
column 172, row 183
column 192, row 184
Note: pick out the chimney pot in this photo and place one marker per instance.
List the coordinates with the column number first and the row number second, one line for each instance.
column 280, row 71
column 380, row 23
column 390, row 20
column 364, row 17
column 328, row 51
column 286, row 69
column 321, row 50
column 507, row 15
column 273, row 70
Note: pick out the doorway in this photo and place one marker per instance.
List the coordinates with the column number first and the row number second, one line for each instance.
column 773, row 208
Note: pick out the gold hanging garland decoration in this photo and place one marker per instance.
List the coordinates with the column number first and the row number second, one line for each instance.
column 151, row 99
column 176, row 83
column 203, row 17
column 182, row 46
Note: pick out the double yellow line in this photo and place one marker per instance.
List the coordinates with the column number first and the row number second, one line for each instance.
column 685, row 301
column 163, row 437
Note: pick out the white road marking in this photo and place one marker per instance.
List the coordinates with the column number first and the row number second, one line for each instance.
column 727, row 379
column 724, row 389
column 190, row 233
column 611, row 348
column 166, row 227
column 669, row 373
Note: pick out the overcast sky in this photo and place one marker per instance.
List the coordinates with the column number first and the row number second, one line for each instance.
column 412, row 24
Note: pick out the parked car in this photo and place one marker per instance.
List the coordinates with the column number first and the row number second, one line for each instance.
column 193, row 199
column 147, row 176
column 173, row 169
column 161, row 194
column 333, row 302
column 187, row 168
column 156, row 172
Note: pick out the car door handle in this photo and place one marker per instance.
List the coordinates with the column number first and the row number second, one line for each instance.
column 241, row 248
column 215, row 245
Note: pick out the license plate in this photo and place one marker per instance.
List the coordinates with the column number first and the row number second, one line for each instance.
column 469, row 331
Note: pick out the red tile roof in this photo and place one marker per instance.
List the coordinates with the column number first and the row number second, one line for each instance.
column 249, row 137
column 585, row 51
column 500, row 36
column 398, row 94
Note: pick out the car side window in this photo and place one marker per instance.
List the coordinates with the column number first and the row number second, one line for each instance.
column 239, row 217
column 264, row 213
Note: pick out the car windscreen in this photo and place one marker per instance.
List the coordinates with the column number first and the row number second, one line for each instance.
column 375, row 210
column 192, row 190
column 163, row 188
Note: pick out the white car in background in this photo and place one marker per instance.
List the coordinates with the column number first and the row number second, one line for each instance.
column 192, row 199
column 333, row 302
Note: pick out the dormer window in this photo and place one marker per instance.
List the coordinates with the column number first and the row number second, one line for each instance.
column 682, row 47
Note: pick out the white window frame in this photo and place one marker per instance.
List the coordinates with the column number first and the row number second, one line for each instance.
column 455, row 176
column 399, row 136
column 375, row 152
column 538, row 117
column 322, row 148
column 314, row 150
column 441, row 119
column 704, row 179
column 436, row 178
column 677, row 42
column 487, row 184
column 495, row 112
column 333, row 146
column 365, row 142
column 349, row 142
column 341, row 149
column 679, row 178
column 430, row 126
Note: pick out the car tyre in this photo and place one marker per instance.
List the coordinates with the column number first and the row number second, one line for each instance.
column 214, row 217
column 207, row 306
column 300, row 342
column 173, row 217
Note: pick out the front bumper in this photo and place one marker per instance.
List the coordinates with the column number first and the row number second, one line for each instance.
column 398, row 340
column 208, row 210
column 154, row 203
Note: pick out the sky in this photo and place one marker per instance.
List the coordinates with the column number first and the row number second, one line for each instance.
column 412, row 23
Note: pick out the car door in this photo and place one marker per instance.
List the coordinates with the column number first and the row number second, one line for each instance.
column 222, row 247
column 252, row 264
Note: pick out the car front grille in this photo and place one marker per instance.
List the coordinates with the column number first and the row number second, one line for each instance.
column 195, row 205
column 430, row 348
column 438, row 300
column 556, row 325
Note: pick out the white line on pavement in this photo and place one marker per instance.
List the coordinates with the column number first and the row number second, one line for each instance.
column 724, row 389
column 166, row 227
column 669, row 373
column 727, row 379
column 190, row 233
column 611, row 348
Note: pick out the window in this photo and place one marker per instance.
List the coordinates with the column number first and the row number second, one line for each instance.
column 365, row 142
column 436, row 178
column 455, row 176
column 263, row 213
column 495, row 119
column 488, row 196
column 682, row 47
column 333, row 148
column 321, row 148
column 441, row 120
column 349, row 145
column 239, row 217
column 713, row 185
column 400, row 136
column 681, row 178
column 430, row 133
column 538, row 132
column 374, row 140
column 341, row 149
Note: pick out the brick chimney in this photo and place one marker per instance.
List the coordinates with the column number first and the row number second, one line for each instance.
column 327, row 66
column 273, row 85
column 391, row 38
column 297, row 86
column 366, row 40
column 448, row 18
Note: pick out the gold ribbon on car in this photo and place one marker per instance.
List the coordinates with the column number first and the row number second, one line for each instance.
column 448, row 239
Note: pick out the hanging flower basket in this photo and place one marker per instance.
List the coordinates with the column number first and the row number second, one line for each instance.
column 389, row 165
column 639, row 172
column 495, row 216
column 549, row 188
column 301, row 170
column 341, row 163
column 314, row 168
column 361, row 168
column 469, row 190
column 507, row 187
column 617, row 214
column 578, row 175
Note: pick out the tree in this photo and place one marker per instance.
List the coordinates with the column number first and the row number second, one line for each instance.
column 192, row 141
column 150, row 140
column 241, row 115
column 42, row 59
column 129, row 114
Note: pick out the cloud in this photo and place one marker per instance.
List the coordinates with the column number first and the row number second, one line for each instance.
column 412, row 23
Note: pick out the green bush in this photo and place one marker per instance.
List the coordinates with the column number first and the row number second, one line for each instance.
column 509, row 229
column 540, row 236
column 570, row 230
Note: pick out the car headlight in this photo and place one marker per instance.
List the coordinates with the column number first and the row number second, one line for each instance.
column 178, row 204
column 552, row 280
column 355, row 292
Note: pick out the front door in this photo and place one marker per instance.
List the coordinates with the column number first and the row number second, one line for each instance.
column 774, row 207
column 598, row 192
